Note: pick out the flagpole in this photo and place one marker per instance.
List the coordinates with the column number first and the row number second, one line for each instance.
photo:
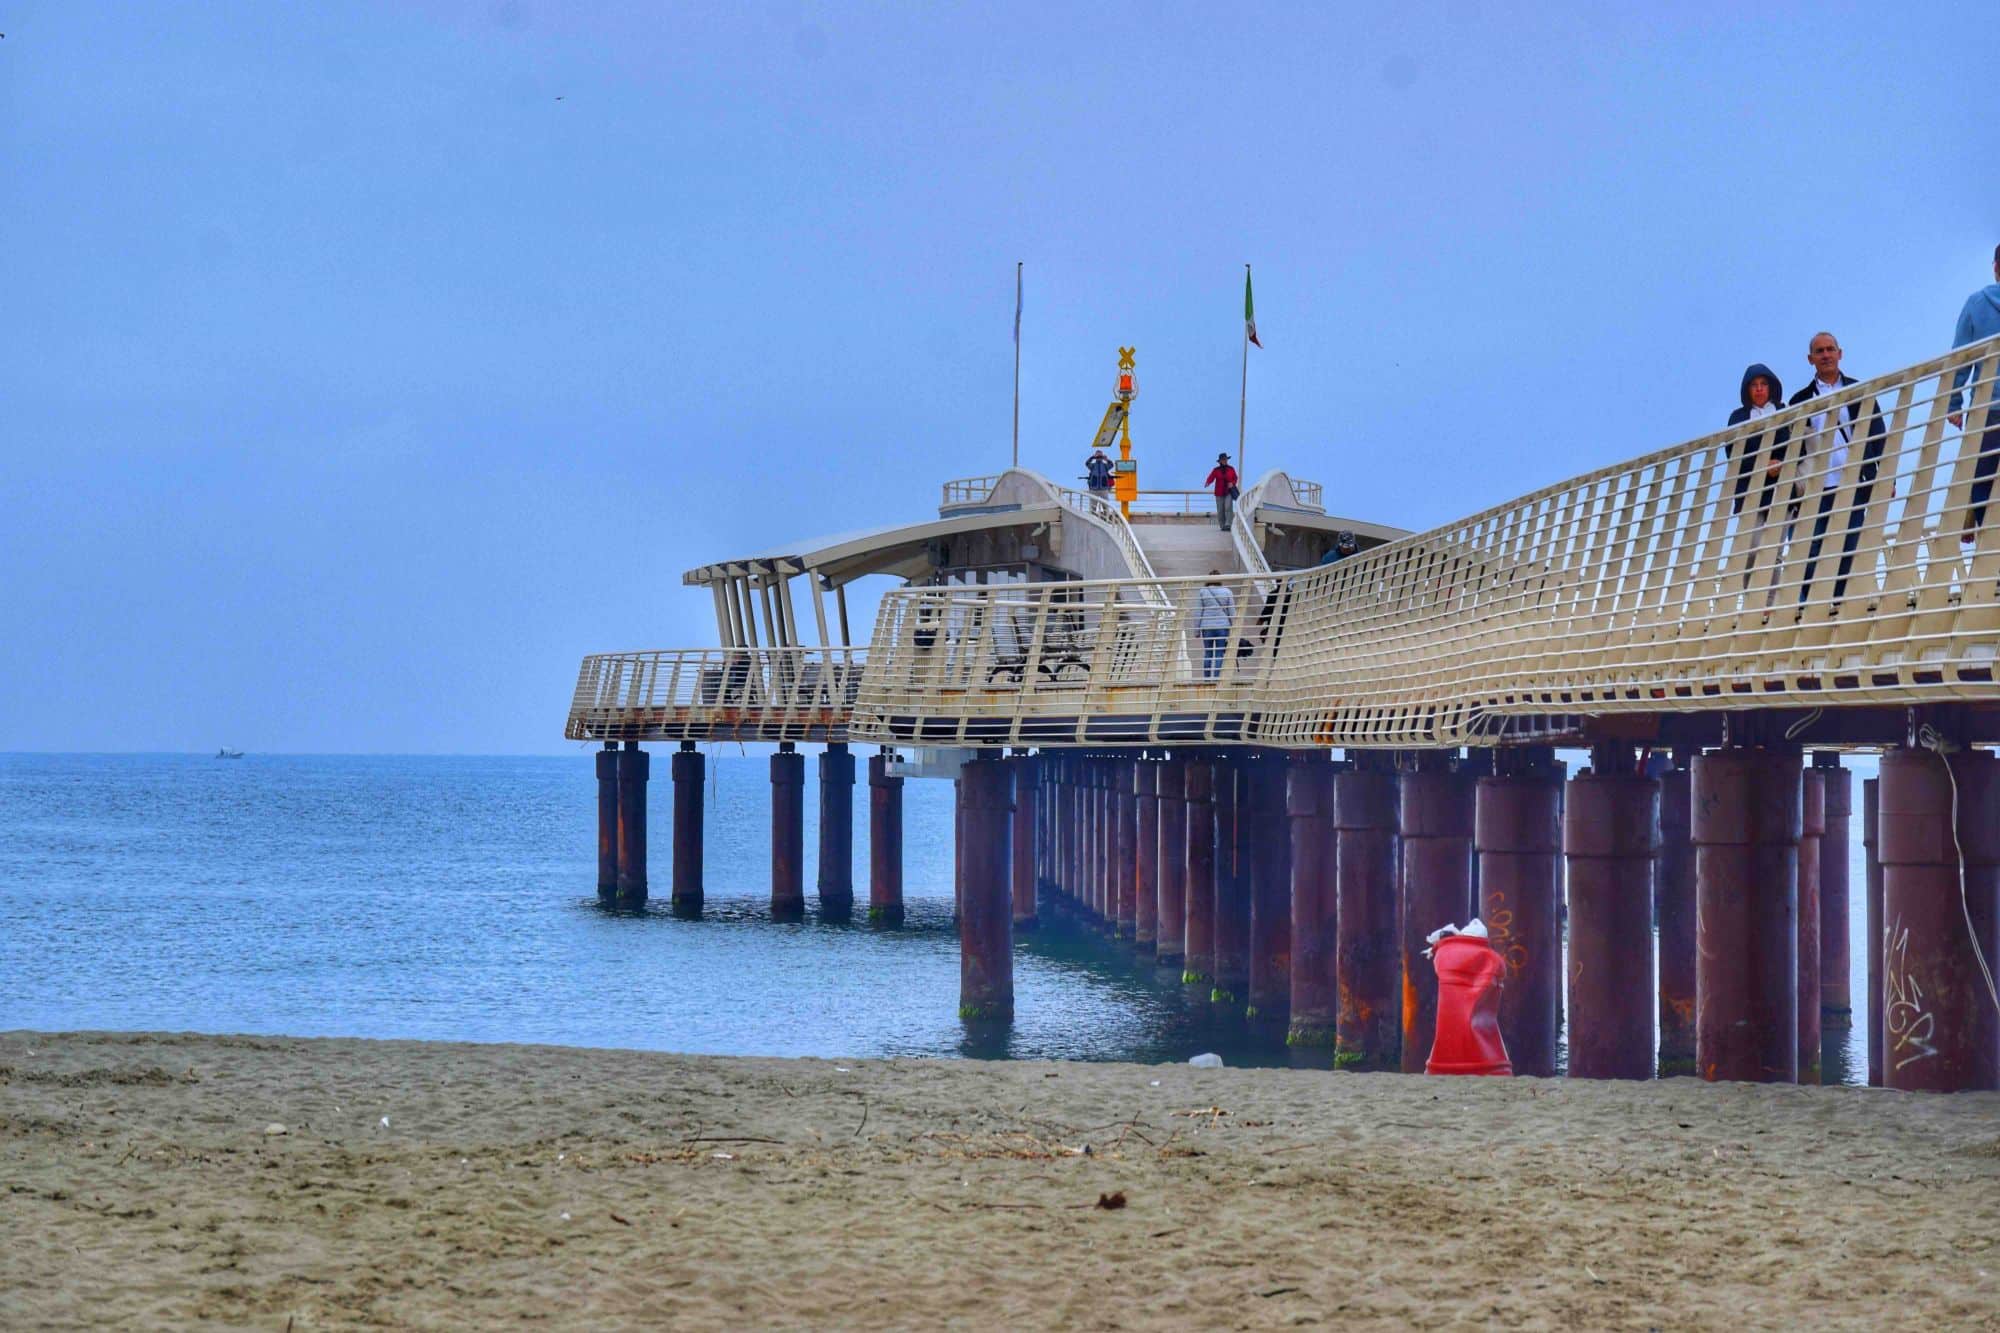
column 1243, row 402
column 1017, row 363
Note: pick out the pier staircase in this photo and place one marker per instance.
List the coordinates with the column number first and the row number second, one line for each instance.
column 1186, row 547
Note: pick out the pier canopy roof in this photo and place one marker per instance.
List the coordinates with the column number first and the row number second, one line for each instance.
column 903, row 551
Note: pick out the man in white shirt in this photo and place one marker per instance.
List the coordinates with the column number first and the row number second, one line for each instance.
column 1828, row 437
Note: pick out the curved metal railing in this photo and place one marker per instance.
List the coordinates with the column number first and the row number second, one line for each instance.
column 770, row 694
column 1840, row 552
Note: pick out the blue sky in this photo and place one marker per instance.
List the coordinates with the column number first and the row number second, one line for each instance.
column 363, row 366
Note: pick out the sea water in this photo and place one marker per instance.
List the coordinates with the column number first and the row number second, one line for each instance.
column 455, row 899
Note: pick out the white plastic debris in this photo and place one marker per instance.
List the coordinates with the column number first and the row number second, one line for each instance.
column 1207, row 1060
column 1154, row 1084
column 1475, row 928
column 275, row 1128
column 385, row 1122
column 565, row 1217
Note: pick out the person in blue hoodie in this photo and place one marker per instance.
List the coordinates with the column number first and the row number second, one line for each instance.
column 1762, row 395
column 1980, row 319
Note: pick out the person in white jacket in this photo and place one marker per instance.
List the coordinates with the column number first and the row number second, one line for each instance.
column 1215, row 611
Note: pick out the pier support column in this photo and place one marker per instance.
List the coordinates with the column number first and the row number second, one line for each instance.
column 1812, row 827
column 1125, row 848
column 1611, row 837
column 1027, row 805
column 1939, row 1027
column 1269, row 833
column 1198, row 957
column 1436, row 827
column 1315, row 902
column 688, row 770
column 1369, row 968
column 1103, row 845
column 986, row 892
column 1836, row 1004
column 607, row 822
column 1872, row 948
column 885, row 843
column 1170, row 936
column 1232, row 887
column 836, row 833
column 1517, row 830
column 1748, row 808
column 788, row 834
column 634, row 764
column 1146, row 856
column 1674, row 892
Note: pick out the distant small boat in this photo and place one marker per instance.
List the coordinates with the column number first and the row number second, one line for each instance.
column 227, row 753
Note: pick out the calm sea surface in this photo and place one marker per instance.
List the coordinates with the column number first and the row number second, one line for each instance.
column 455, row 899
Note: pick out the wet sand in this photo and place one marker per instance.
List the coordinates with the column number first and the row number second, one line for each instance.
column 146, row 1184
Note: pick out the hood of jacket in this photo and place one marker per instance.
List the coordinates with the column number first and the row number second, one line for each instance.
column 1755, row 369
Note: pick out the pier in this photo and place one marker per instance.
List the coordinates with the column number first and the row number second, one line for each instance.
column 1373, row 753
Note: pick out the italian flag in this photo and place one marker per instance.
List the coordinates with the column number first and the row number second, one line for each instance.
column 1249, row 310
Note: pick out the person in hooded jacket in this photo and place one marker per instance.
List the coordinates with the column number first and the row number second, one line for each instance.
column 1761, row 394
column 1980, row 319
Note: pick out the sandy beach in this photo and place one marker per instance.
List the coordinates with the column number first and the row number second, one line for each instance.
column 148, row 1182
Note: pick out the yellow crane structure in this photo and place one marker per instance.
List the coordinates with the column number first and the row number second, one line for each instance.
column 1118, row 422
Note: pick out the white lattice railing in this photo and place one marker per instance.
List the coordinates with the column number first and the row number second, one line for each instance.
column 1732, row 571
column 714, row 693
column 968, row 491
column 1104, row 511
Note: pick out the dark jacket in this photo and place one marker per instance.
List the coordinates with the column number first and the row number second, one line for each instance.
column 1871, row 449
column 1757, row 454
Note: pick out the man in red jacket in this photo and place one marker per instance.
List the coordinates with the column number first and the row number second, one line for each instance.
column 1223, row 478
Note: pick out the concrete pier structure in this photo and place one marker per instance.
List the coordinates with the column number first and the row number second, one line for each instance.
column 1170, row 934
column 1748, row 811
column 607, row 823
column 634, row 765
column 1198, row 952
column 1026, row 770
column 885, row 843
column 788, row 834
column 1232, row 888
column 1836, row 1004
column 1368, row 970
column 1104, row 844
column 1124, row 847
column 986, row 892
column 1435, row 804
column 1315, row 993
column 1611, row 840
column 1674, row 908
column 688, row 770
column 836, row 832
column 1268, row 831
column 1872, row 923
column 1146, row 856
column 1812, row 827
column 1940, row 1030
column 1517, row 820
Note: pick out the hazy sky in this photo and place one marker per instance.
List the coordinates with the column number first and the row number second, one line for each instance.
column 363, row 367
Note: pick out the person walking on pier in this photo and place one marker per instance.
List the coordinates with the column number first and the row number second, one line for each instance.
column 1215, row 611
column 1223, row 478
column 1979, row 319
column 1833, row 432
